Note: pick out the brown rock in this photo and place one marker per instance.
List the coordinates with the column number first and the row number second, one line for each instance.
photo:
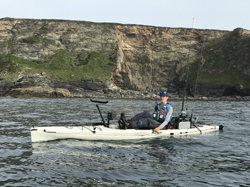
column 59, row 92
column 39, row 92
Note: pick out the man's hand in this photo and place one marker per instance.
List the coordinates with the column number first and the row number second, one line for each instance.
column 157, row 129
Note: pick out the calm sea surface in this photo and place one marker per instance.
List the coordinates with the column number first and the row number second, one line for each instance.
column 214, row 159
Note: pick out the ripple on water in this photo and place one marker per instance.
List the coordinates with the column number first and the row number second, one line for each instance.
column 214, row 159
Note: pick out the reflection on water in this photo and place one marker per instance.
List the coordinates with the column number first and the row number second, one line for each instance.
column 214, row 159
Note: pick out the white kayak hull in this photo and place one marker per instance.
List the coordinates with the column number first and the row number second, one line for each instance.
column 40, row 134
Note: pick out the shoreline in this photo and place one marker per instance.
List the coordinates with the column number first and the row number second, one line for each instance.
column 188, row 98
column 48, row 92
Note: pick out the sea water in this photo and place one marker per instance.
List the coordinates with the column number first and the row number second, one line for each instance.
column 214, row 159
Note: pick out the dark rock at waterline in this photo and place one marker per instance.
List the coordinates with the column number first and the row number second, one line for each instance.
column 210, row 90
column 33, row 80
column 78, row 86
column 38, row 85
column 238, row 90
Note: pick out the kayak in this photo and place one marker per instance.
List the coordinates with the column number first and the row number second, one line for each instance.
column 107, row 131
column 113, row 132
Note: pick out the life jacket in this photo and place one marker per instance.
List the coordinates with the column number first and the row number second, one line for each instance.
column 160, row 115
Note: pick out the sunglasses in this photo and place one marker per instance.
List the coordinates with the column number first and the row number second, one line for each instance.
column 163, row 92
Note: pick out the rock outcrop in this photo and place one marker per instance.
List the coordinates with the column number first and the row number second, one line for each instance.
column 39, row 92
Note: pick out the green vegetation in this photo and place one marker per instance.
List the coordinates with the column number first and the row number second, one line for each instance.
column 38, row 39
column 63, row 66
column 106, row 30
column 216, row 71
column 7, row 65
column 9, row 44
column 161, row 29
column 92, row 33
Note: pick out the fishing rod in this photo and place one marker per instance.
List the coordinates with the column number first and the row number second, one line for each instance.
column 199, row 68
column 183, row 112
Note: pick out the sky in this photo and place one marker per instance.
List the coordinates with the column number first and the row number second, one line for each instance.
column 207, row 14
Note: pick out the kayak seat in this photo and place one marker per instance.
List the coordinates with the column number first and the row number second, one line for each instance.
column 174, row 123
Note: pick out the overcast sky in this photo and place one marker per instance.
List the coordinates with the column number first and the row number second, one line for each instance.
column 207, row 14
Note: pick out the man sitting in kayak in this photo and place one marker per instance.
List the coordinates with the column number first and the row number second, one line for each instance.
column 163, row 113
column 160, row 119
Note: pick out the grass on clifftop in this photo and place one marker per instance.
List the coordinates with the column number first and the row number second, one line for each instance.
column 62, row 66
column 216, row 71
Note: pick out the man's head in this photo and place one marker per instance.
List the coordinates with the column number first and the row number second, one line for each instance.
column 164, row 96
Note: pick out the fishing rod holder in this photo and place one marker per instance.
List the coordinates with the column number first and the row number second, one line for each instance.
column 110, row 115
column 183, row 113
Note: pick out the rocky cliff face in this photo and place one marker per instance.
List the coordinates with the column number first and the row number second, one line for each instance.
column 146, row 58
column 153, row 57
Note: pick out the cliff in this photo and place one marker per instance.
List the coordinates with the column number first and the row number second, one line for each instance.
column 110, row 58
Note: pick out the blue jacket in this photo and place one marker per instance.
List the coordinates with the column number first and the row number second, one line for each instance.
column 160, row 115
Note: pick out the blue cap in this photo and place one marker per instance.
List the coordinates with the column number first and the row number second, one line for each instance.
column 164, row 93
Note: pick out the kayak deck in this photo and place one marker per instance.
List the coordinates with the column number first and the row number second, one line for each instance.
column 100, row 132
